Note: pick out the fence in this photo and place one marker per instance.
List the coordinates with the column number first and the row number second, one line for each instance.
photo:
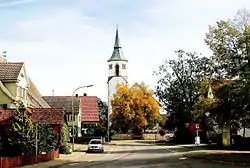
column 8, row 162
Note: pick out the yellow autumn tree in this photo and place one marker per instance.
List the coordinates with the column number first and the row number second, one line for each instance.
column 134, row 108
column 121, row 109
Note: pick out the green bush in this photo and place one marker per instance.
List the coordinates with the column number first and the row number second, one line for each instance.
column 65, row 149
column 65, row 133
column 48, row 139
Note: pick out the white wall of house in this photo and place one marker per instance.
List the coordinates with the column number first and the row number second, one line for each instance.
column 22, row 86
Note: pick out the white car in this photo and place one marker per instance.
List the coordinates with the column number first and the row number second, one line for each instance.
column 95, row 145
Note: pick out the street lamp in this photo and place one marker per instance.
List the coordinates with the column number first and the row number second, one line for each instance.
column 73, row 115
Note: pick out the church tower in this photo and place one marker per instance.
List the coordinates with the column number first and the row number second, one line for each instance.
column 117, row 74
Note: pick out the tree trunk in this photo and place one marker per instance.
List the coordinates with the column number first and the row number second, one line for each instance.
column 244, row 131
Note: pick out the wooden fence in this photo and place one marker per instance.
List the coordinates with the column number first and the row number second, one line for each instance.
column 8, row 162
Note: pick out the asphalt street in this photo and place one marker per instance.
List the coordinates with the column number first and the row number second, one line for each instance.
column 141, row 155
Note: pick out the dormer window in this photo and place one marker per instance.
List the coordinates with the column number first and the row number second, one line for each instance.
column 117, row 70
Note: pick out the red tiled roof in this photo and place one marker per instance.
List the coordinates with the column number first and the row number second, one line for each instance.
column 41, row 115
column 10, row 70
column 48, row 115
column 89, row 109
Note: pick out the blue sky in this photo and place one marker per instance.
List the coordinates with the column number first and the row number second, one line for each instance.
column 66, row 43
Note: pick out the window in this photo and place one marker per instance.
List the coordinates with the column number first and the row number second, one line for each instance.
column 123, row 66
column 18, row 91
column 5, row 106
column 117, row 70
column 110, row 66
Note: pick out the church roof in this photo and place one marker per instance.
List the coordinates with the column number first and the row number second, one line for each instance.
column 117, row 54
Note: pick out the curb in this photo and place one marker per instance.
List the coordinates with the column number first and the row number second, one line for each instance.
column 217, row 161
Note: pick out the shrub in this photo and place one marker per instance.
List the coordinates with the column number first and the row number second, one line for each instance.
column 65, row 133
column 48, row 139
column 65, row 149
column 162, row 133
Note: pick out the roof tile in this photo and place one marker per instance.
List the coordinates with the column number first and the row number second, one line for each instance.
column 89, row 109
column 10, row 70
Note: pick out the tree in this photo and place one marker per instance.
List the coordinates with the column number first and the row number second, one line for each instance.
column 122, row 113
column 230, row 43
column 21, row 134
column 134, row 108
column 103, row 112
column 179, row 84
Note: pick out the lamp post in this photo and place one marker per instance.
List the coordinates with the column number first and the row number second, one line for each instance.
column 108, row 116
column 73, row 115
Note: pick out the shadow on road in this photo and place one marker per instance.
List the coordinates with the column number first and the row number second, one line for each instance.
column 170, row 161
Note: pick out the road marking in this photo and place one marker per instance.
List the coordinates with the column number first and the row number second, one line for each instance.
column 183, row 158
column 72, row 164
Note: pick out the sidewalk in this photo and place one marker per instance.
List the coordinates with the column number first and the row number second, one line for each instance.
column 237, row 158
column 79, row 154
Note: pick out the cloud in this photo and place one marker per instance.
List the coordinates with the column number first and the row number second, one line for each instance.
column 9, row 3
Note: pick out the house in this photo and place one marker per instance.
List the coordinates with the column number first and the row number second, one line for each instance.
column 89, row 113
column 85, row 110
column 66, row 103
column 15, row 85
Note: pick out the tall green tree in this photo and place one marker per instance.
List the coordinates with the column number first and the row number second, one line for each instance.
column 230, row 42
column 21, row 135
column 103, row 112
column 179, row 84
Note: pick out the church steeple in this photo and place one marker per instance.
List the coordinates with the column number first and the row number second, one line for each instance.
column 117, row 40
column 117, row 54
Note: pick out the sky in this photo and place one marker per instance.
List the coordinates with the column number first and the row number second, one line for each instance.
column 66, row 43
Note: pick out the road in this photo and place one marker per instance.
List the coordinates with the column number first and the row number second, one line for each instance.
column 140, row 155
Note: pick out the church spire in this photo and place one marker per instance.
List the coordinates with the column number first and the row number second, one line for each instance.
column 117, row 39
column 117, row 54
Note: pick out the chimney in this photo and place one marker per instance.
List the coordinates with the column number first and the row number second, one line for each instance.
column 3, row 57
column 84, row 94
column 53, row 92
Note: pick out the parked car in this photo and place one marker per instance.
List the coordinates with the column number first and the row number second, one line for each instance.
column 95, row 145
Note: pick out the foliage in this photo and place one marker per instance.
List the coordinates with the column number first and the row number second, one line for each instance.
column 21, row 134
column 180, row 83
column 48, row 138
column 162, row 132
column 134, row 108
column 65, row 133
column 103, row 112
column 230, row 43
column 65, row 149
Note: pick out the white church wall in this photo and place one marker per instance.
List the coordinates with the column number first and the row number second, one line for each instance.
column 122, row 72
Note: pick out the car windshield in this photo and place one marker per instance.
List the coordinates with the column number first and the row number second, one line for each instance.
column 95, row 142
